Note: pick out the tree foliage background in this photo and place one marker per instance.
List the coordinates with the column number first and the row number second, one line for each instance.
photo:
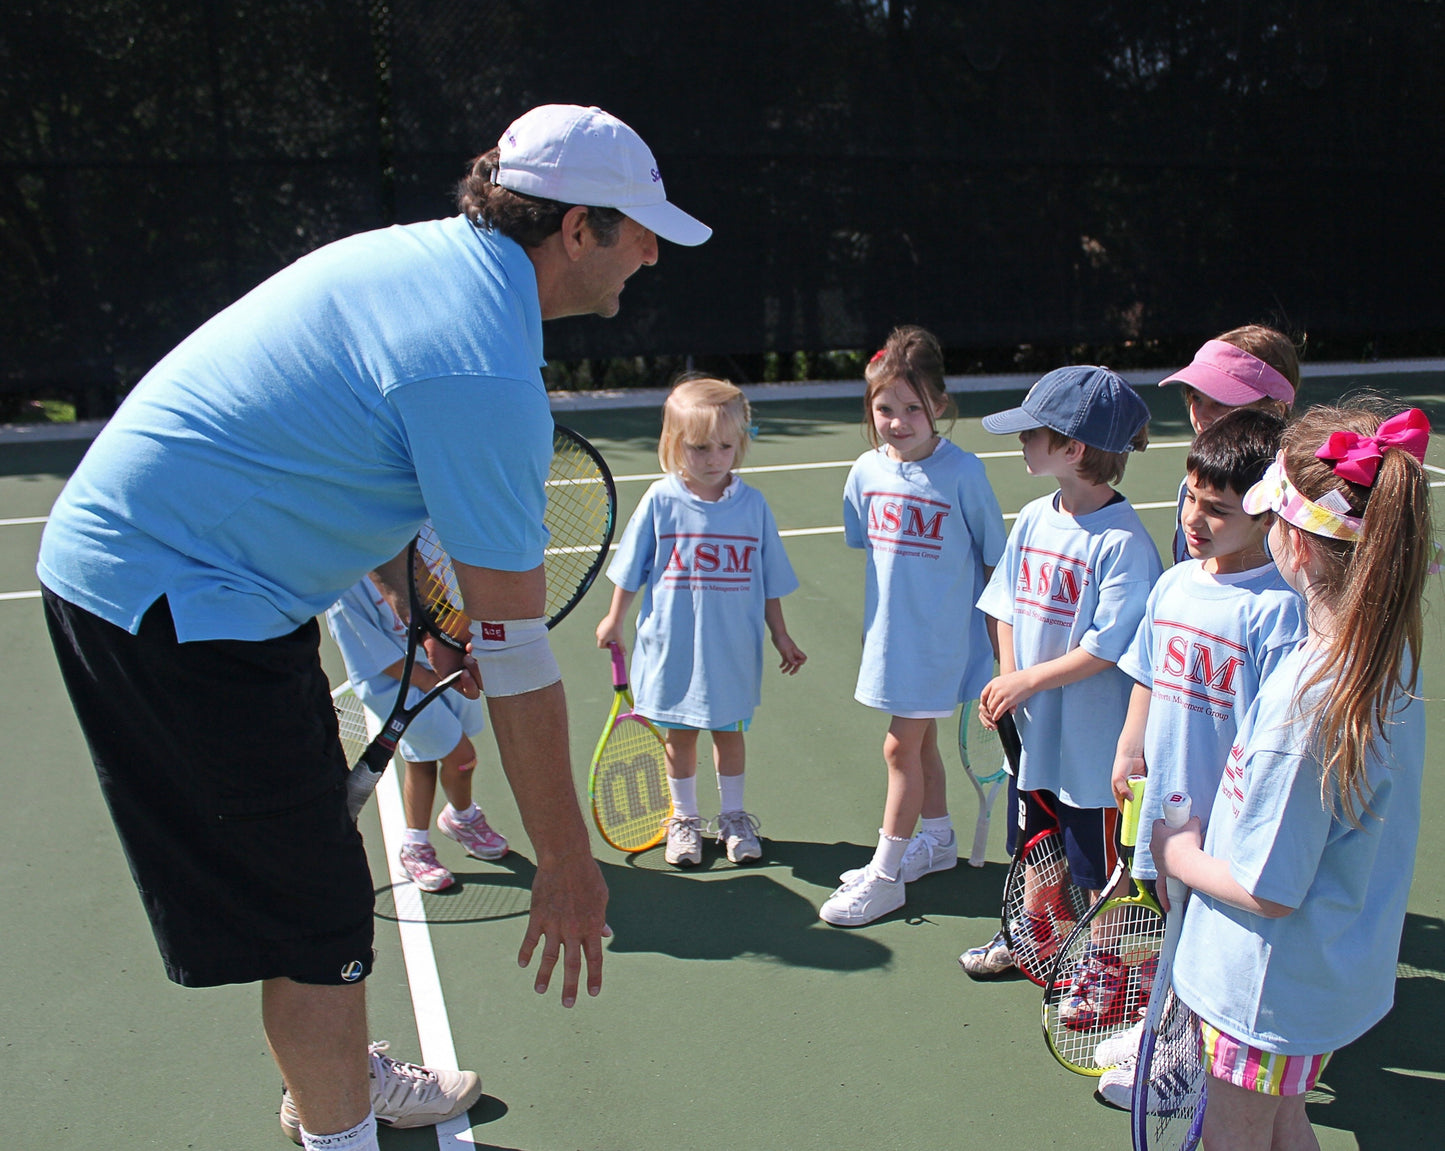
column 1119, row 175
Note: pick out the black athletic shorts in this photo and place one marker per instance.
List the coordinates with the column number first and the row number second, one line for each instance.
column 224, row 775
column 1090, row 835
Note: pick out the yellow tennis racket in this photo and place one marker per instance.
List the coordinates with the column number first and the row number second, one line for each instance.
column 628, row 781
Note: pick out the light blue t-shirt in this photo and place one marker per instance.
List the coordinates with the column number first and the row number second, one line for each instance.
column 1203, row 647
column 1320, row 977
column 706, row 570
column 1065, row 582
column 371, row 639
column 298, row 439
column 930, row 528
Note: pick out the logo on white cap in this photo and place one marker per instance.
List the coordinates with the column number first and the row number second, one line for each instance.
column 577, row 155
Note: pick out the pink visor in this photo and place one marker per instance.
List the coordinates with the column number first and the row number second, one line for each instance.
column 1232, row 376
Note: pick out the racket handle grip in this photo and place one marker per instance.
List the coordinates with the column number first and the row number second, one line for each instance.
column 619, row 665
column 359, row 785
column 1177, row 806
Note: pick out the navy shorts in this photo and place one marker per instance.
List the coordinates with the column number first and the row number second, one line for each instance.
column 224, row 775
column 1090, row 835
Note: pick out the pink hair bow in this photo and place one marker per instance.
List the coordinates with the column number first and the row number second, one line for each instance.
column 1357, row 458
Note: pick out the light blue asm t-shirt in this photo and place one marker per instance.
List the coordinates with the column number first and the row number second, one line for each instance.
column 300, row 437
column 1205, row 644
column 930, row 528
column 1066, row 582
column 706, row 570
column 1321, row 976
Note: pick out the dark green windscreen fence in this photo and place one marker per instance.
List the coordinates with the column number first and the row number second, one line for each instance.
column 1051, row 174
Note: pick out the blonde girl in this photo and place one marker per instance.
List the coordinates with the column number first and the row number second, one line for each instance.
column 1292, row 934
column 703, row 549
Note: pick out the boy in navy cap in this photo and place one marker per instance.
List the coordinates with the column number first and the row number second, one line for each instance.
column 1068, row 595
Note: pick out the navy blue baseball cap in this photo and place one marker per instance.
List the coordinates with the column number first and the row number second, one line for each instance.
column 1084, row 402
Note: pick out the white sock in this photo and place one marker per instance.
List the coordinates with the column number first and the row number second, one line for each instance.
column 889, row 856
column 467, row 816
column 416, row 835
column 362, row 1137
column 939, row 830
column 730, row 791
column 684, row 796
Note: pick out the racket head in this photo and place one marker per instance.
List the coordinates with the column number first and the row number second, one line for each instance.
column 1041, row 904
column 436, row 597
column 981, row 753
column 1114, row 996
column 581, row 516
column 1170, row 1086
column 627, row 785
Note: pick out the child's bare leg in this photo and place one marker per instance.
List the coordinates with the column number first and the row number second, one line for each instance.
column 681, row 753
column 456, row 775
column 1243, row 1120
column 903, row 753
column 935, row 781
column 684, row 843
column 418, row 793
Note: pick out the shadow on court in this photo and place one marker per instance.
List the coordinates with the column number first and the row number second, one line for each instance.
column 719, row 911
column 1388, row 1087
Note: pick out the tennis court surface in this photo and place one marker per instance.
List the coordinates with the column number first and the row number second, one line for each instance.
column 731, row 1017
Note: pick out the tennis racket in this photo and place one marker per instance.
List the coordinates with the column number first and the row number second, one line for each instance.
column 628, row 781
column 1041, row 902
column 580, row 517
column 972, row 734
column 1167, row 1111
column 1101, row 979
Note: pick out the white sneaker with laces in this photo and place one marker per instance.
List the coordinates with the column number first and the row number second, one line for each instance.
column 923, row 856
column 684, row 840
column 419, row 860
column 864, row 898
column 737, row 832
column 1119, row 1047
column 988, row 959
column 403, row 1094
column 1116, row 1085
column 475, row 835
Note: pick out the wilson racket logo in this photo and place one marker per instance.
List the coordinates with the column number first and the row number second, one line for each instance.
column 495, row 632
column 628, row 781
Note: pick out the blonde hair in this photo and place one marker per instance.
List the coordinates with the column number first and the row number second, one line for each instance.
column 912, row 356
column 699, row 409
column 1373, row 587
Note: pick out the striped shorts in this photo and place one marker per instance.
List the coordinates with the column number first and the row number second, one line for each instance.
column 1263, row 1071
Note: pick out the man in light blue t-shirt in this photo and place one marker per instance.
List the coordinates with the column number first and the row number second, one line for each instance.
column 295, row 441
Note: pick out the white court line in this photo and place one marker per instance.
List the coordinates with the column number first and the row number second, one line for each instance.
column 23, row 520
column 20, row 594
column 433, row 1027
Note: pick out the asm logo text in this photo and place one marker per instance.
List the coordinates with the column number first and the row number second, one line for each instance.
column 711, row 560
column 899, row 521
column 1050, row 585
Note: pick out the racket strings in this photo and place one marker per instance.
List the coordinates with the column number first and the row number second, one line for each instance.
column 629, row 791
column 1041, row 906
column 437, row 590
column 578, row 518
column 1174, row 1092
column 1102, row 981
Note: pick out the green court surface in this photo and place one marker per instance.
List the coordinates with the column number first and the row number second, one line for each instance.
column 731, row 1017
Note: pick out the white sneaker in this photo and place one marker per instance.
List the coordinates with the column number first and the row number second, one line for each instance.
column 1116, row 1085
column 988, row 959
column 403, row 1094
column 866, row 897
column 1119, row 1047
column 684, row 840
column 923, row 856
column 737, row 832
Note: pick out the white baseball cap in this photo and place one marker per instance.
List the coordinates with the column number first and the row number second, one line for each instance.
column 577, row 155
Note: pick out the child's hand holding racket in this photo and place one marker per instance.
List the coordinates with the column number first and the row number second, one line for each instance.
column 1172, row 846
